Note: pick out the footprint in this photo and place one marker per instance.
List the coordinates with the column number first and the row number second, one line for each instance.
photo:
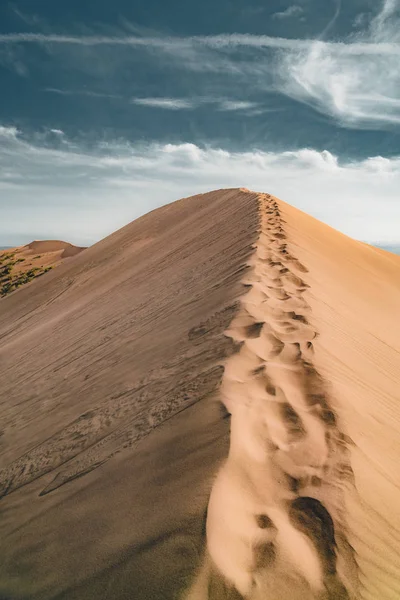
column 266, row 346
column 303, row 333
column 290, row 355
column 312, row 518
column 264, row 522
column 254, row 330
column 292, row 421
column 307, row 350
column 301, row 318
column 265, row 555
column 292, row 282
column 298, row 265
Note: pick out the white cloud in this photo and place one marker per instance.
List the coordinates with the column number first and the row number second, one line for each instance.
column 57, row 131
column 290, row 12
column 166, row 103
column 223, row 104
column 355, row 81
column 8, row 132
column 82, row 194
column 358, row 89
column 237, row 105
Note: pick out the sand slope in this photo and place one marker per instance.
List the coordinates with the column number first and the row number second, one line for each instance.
column 354, row 297
column 94, row 357
column 113, row 436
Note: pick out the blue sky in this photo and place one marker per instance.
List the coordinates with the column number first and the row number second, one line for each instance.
column 110, row 109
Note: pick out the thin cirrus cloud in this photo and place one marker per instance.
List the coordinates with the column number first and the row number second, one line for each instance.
column 166, row 103
column 225, row 40
column 289, row 12
column 223, row 104
column 237, row 105
column 83, row 193
column 355, row 81
column 72, row 92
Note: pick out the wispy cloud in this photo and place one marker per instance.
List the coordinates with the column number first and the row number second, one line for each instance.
column 222, row 104
column 73, row 92
column 28, row 19
column 166, row 103
column 290, row 12
column 83, row 193
column 359, row 90
column 360, row 20
column 237, row 105
column 355, row 81
column 226, row 40
column 11, row 57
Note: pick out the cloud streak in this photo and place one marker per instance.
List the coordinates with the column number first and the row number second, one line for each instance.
column 290, row 12
column 228, row 40
column 89, row 93
column 233, row 105
column 81, row 194
column 222, row 104
column 166, row 103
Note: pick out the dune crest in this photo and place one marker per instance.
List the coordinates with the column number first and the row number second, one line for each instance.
column 276, row 504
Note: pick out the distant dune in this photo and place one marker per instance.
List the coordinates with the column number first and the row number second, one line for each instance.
column 22, row 264
column 49, row 246
column 204, row 406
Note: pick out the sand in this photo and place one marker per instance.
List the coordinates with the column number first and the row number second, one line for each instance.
column 204, row 405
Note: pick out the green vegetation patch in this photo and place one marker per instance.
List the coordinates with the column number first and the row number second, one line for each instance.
column 11, row 280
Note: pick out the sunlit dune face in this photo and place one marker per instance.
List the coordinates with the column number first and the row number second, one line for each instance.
column 273, row 506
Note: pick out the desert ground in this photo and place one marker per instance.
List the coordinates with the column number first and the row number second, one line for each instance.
column 204, row 406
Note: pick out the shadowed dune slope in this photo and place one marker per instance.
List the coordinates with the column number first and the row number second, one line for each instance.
column 96, row 356
column 113, row 437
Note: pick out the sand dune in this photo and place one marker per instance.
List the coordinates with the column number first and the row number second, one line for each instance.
column 43, row 246
column 23, row 264
column 121, row 476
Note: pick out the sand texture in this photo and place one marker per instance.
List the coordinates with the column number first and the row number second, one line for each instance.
column 204, row 405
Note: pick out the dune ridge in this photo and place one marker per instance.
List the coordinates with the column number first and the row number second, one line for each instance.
column 275, row 522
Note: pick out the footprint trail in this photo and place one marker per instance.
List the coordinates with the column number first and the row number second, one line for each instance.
column 275, row 522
